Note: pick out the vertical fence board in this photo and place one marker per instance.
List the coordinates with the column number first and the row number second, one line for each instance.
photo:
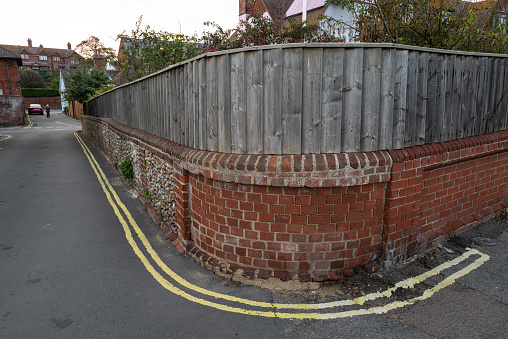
column 431, row 127
column 422, row 96
column 273, row 100
column 371, row 99
column 238, row 104
column 411, row 99
column 388, row 64
column 255, row 99
column 352, row 100
column 465, row 102
column 211, row 105
column 504, row 95
column 224, row 103
column 202, row 130
column 194, row 73
column 311, row 121
column 400, row 99
column 469, row 116
column 254, row 106
column 500, row 110
column 332, row 99
column 453, row 81
column 490, row 81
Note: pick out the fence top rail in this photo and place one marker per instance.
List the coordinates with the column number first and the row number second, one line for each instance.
column 350, row 45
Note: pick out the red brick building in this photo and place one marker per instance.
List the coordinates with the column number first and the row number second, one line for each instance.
column 9, row 75
column 42, row 58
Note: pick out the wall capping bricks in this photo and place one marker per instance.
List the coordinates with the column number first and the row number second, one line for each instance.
column 311, row 217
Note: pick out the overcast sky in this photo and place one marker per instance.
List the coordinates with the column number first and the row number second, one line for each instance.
column 56, row 22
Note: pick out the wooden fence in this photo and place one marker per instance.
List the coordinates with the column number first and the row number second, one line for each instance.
column 316, row 98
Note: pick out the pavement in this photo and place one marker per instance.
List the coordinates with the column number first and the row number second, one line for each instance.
column 74, row 265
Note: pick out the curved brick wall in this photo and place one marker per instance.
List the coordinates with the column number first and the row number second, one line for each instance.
column 308, row 217
column 286, row 229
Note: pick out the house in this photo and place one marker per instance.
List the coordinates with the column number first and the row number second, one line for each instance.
column 11, row 101
column 9, row 74
column 281, row 11
column 43, row 58
column 490, row 13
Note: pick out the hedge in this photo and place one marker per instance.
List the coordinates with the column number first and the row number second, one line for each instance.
column 39, row 92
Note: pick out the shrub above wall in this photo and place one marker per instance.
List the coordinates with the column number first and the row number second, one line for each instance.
column 39, row 92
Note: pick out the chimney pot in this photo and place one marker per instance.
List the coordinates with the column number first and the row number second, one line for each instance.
column 68, row 45
column 29, row 42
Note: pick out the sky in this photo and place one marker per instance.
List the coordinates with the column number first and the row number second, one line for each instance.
column 55, row 23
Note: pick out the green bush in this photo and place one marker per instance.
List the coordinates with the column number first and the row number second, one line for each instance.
column 39, row 92
column 126, row 168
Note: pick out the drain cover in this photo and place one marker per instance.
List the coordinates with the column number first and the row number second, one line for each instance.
column 482, row 241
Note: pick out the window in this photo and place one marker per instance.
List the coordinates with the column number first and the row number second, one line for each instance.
column 74, row 61
column 56, row 58
column 24, row 56
column 43, row 57
column 35, row 67
column 1, row 92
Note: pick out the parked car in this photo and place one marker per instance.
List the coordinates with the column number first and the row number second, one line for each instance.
column 35, row 109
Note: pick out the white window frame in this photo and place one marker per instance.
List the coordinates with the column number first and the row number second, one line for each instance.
column 43, row 57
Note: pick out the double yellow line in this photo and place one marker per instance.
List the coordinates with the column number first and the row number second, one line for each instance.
column 5, row 137
column 129, row 224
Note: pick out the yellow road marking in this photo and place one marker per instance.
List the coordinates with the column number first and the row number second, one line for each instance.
column 5, row 137
column 31, row 123
column 408, row 283
column 61, row 123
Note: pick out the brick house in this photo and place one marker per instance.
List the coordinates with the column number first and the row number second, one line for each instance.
column 11, row 102
column 42, row 58
column 9, row 74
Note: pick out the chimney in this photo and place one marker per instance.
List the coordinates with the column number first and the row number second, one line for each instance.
column 98, row 61
column 245, row 6
column 29, row 42
column 68, row 45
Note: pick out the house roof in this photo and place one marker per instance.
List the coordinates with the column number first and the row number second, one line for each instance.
column 61, row 52
column 277, row 8
column 6, row 54
column 297, row 6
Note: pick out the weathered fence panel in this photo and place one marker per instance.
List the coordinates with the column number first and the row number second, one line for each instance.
column 316, row 98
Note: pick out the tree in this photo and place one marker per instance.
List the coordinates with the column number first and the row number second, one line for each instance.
column 51, row 79
column 30, row 79
column 148, row 51
column 92, row 46
column 445, row 24
column 84, row 82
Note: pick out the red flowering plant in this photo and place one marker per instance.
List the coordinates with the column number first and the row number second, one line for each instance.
column 260, row 31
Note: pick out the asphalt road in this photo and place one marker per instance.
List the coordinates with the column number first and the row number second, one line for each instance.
column 73, row 265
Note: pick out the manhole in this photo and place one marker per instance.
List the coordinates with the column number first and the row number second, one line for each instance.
column 482, row 241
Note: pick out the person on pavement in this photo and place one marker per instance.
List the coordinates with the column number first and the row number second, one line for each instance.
column 47, row 111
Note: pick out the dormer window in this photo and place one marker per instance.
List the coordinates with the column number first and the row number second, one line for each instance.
column 24, row 56
column 43, row 57
column 56, row 58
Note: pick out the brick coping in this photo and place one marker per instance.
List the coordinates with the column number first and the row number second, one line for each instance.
column 297, row 170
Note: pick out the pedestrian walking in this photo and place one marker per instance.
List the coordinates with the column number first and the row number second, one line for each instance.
column 47, row 111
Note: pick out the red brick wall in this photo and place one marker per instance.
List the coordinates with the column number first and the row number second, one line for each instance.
column 13, row 75
column 316, row 231
column 435, row 190
column 310, row 216
column 75, row 109
column 53, row 102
